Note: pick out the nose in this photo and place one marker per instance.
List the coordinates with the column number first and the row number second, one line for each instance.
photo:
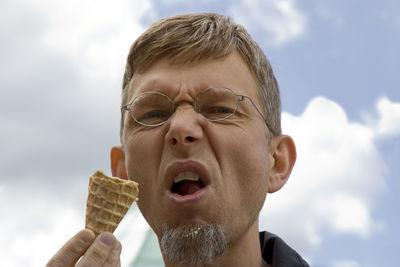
column 185, row 127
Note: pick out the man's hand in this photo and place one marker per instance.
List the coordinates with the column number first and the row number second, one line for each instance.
column 102, row 251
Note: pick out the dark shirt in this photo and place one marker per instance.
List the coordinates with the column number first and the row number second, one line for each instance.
column 276, row 252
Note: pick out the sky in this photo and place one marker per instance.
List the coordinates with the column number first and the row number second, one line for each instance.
column 337, row 64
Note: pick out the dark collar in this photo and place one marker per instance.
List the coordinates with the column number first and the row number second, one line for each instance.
column 276, row 252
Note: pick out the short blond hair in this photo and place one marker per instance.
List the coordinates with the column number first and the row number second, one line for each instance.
column 201, row 36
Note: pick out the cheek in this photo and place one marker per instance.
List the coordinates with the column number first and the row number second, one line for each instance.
column 245, row 164
column 142, row 164
column 251, row 170
column 245, row 172
column 143, row 153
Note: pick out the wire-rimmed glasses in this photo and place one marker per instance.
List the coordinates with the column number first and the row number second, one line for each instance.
column 215, row 104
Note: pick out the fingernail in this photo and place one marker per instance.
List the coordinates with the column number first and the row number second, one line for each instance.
column 117, row 247
column 107, row 239
column 86, row 236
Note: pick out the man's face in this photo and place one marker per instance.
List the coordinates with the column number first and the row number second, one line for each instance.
column 230, row 158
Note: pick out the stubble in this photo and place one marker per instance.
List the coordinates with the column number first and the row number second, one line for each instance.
column 193, row 244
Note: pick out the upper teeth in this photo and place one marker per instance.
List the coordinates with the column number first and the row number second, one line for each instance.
column 191, row 176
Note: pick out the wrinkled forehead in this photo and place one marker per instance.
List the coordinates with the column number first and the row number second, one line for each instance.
column 169, row 76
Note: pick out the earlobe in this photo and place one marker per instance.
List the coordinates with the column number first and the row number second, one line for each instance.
column 283, row 157
column 117, row 157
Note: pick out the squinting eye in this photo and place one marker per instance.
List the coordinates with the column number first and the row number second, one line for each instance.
column 155, row 114
column 217, row 110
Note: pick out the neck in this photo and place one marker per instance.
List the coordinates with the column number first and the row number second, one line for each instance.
column 245, row 251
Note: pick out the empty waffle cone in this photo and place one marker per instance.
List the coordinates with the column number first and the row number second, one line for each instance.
column 108, row 201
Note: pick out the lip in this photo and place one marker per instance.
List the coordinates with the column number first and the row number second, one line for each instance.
column 196, row 196
column 186, row 166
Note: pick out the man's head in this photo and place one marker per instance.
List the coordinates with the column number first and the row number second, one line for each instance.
column 199, row 177
column 196, row 37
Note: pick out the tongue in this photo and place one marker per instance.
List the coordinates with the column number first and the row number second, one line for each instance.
column 188, row 187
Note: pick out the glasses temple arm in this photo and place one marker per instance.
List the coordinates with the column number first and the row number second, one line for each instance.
column 258, row 111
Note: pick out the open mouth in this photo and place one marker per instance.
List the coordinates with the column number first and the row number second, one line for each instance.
column 187, row 183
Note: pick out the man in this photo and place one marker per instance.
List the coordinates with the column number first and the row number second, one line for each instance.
column 201, row 133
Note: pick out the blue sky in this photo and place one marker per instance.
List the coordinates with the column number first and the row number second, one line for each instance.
column 337, row 63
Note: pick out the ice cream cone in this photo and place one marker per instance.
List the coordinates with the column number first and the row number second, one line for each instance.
column 108, row 201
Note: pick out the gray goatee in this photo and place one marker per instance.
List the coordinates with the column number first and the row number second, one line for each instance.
column 193, row 244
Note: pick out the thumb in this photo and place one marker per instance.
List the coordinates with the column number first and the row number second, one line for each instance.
column 73, row 249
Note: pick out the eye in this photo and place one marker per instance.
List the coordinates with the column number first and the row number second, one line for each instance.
column 217, row 110
column 155, row 115
column 216, row 103
column 152, row 108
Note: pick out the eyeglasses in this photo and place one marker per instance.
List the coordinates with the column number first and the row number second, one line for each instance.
column 213, row 104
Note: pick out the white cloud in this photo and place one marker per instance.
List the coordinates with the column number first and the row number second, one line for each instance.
column 61, row 71
column 337, row 178
column 280, row 21
column 62, row 66
column 389, row 118
column 37, row 224
column 40, row 219
column 97, row 34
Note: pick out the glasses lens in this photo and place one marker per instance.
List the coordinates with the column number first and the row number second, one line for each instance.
column 152, row 108
column 216, row 103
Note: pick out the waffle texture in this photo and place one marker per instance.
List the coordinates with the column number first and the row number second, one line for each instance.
column 108, row 201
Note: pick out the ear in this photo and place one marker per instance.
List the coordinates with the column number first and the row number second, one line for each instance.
column 283, row 157
column 117, row 156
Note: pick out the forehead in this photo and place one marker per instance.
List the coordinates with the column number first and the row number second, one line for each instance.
column 172, row 77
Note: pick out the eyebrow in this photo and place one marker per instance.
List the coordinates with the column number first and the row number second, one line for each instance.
column 155, row 84
column 167, row 87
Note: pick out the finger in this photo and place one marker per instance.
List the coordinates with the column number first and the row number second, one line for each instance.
column 69, row 254
column 114, row 258
column 99, row 251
